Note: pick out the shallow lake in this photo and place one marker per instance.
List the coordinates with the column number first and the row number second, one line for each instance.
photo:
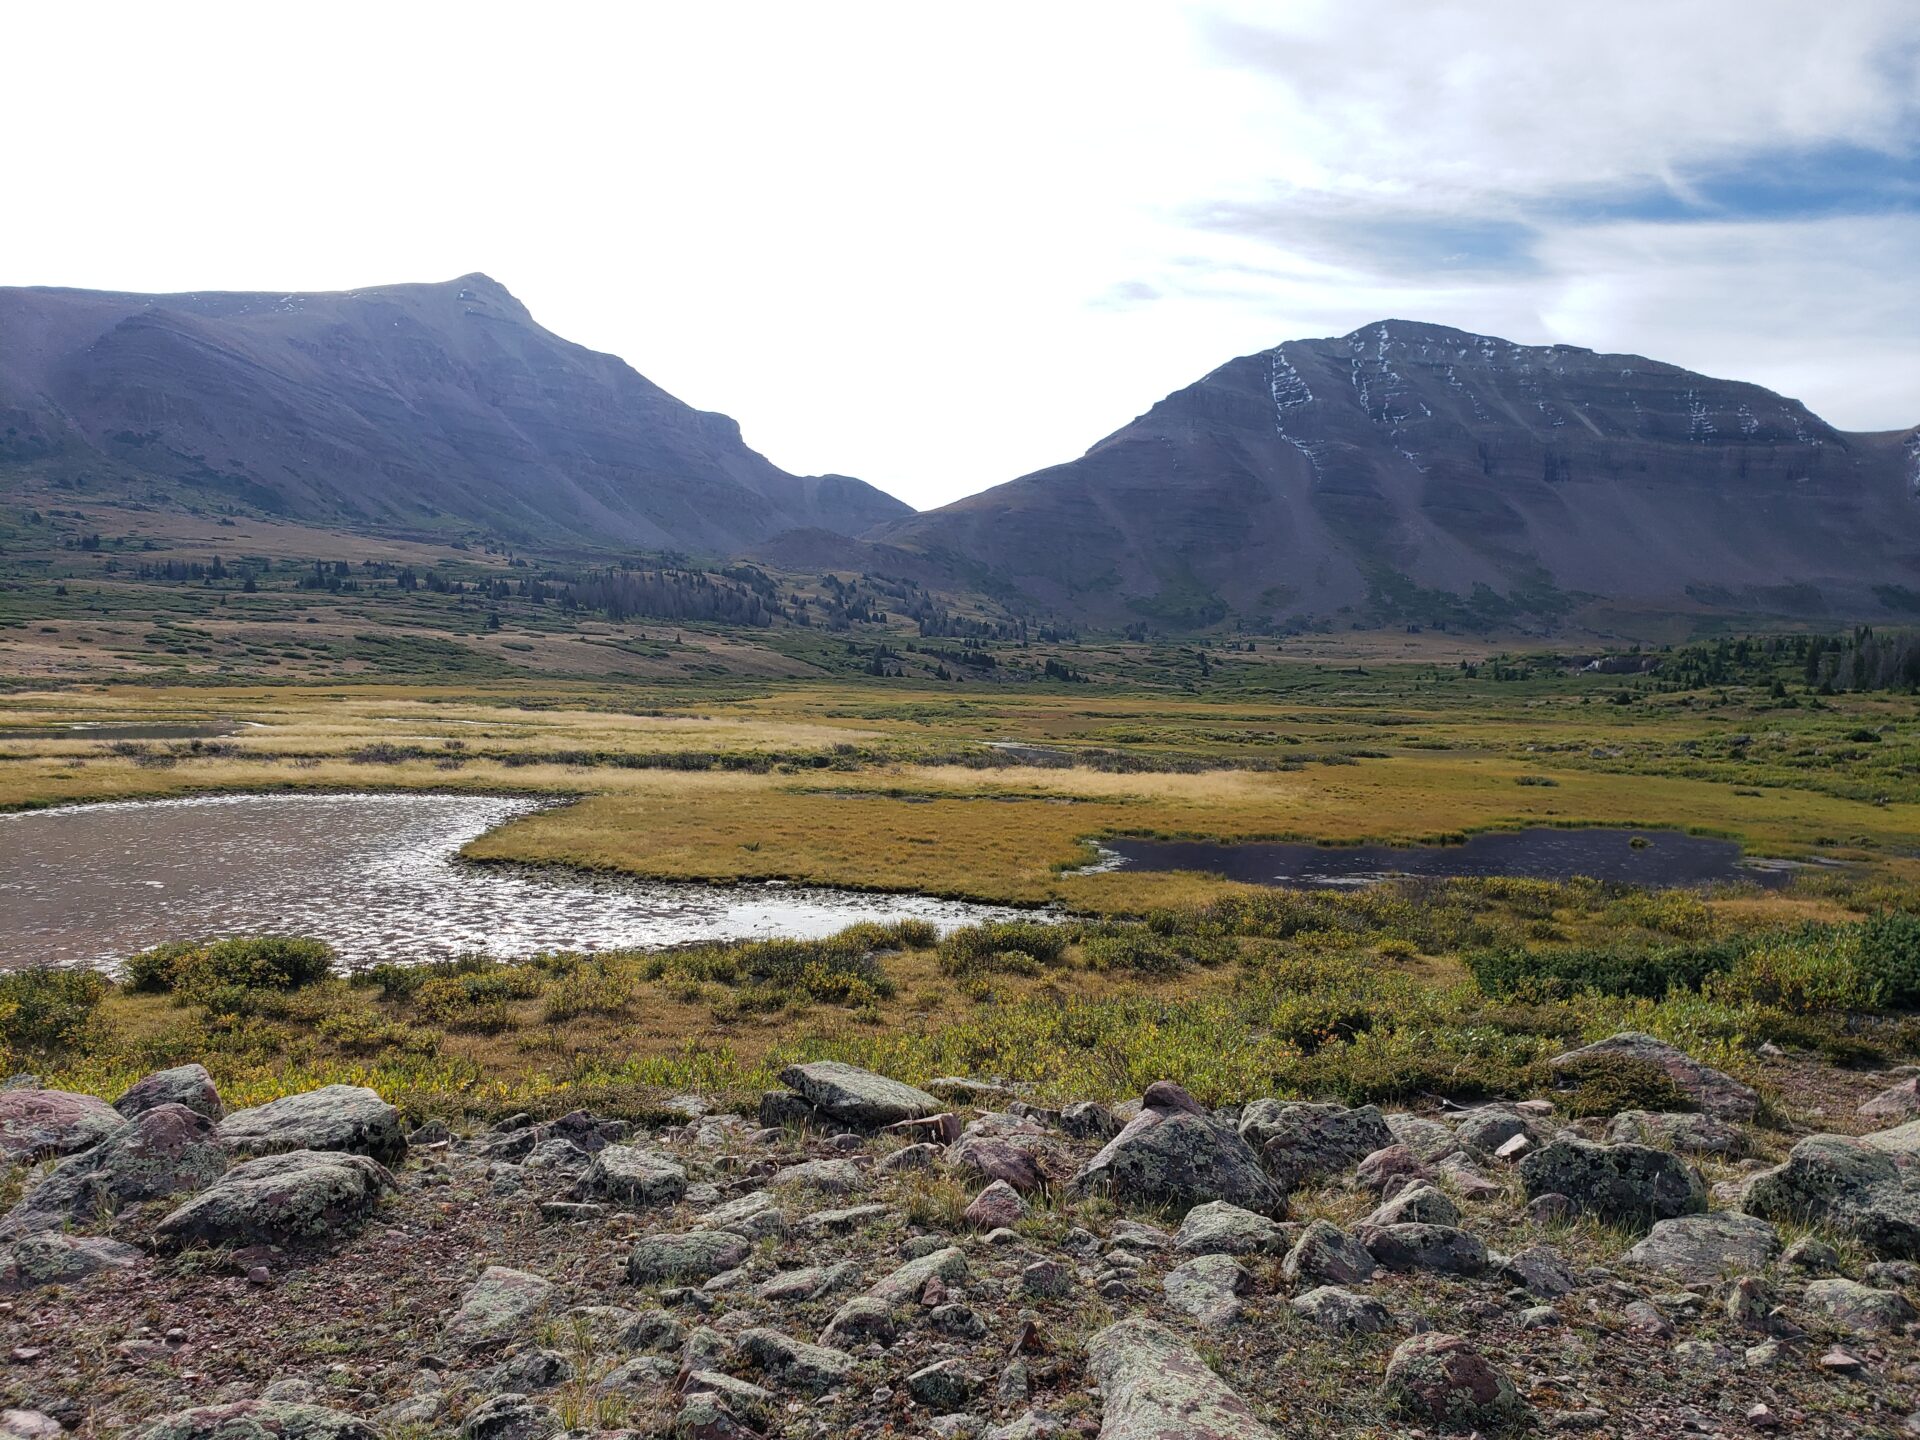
column 375, row 875
column 1665, row 858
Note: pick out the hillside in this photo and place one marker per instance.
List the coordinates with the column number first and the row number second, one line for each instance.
column 413, row 409
column 1413, row 473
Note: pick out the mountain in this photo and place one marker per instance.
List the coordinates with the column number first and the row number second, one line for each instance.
column 417, row 408
column 1414, row 473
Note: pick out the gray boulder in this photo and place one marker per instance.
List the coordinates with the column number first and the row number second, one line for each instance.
column 36, row 1124
column 1208, row 1287
column 1426, row 1140
column 1421, row 1204
column 161, row 1151
column 1900, row 1140
column 1897, row 1103
column 1218, row 1228
column 1678, row 1130
column 1155, row 1387
column 1341, row 1311
column 904, row 1284
column 1860, row 1309
column 260, row 1420
column 754, row 1215
column 1543, row 1270
column 813, row 1368
column 1712, row 1090
column 1436, row 1376
column 54, row 1258
column 1301, row 1141
column 1326, row 1255
column 497, row 1307
column 695, row 1255
column 335, row 1117
column 509, row 1416
column 1624, row 1184
column 1414, row 1246
column 299, row 1196
column 856, row 1098
column 1859, row 1189
column 1172, row 1153
column 187, row 1085
column 632, row 1178
column 1696, row 1248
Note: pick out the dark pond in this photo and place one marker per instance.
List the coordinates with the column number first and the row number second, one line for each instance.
column 131, row 730
column 1665, row 858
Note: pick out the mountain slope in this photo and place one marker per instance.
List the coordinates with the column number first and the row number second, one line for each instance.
column 1414, row 472
column 412, row 407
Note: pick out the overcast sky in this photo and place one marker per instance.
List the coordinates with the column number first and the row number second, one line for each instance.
column 938, row 247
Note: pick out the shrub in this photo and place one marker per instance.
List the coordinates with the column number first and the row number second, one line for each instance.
column 600, row 988
column 477, row 1000
column 1890, row 954
column 43, row 1011
column 1608, row 1084
column 1513, row 972
column 975, row 947
column 253, row 962
column 157, row 970
column 1812, row 971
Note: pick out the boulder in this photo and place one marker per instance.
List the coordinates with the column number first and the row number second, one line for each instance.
column 260, row 1420
column 1436, row 1376
column 1218, row 1228
column 1326, row 1255
column 1389, row 1169
column 856, row 1098
column 497, row 1307
column 834, row 1177
column 754, row 1215
column 1696, row 1248
column 997, row 1205
column 1006, row 1148
column 1155, row 1387
column 161, row 1151
column 1427, row 1140
column 695, row 1255
column 1860, row 1309
column 1484, row 1129
column 943, row 1386
column 1543, row 1270
column 813, row 1368
column 301, row 1196
column 1301, row 1141
column 1623, row 1184
column 862, row 1320
column 809, row 1283
column 36, row 1124
column 1414, row 1246
column 1208, row 1287
column 335, row 1117
column 1173, row 1154
column 1416, row 1204
column 187, row 1085
column 632, row 1178
column 1897, row 1103
column 903, row 1285
column 1341, row 1311
column 1857, row 1188
column 1678, row 1130
column 1713, row 1091
column 54, row 1258
column 509, row 1416
column 1900, row 1140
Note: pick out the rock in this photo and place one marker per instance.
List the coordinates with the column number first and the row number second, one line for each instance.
column 1029, row 1426
column 1900, row 1140
column 1645, row 1318
column 1208, row 1287
column 1416, row 1203
column 187, row 1085
column 1047, row 1277
column 1387, row 1165
column 1089, row 1120
column 810, row 1283
column 1706, row 1247
column 265, row 1419
column 1543, row 1270
column 831, row 1177
column 297, row 1197
column 334, row 1117
column 161, row 1151
column 1748, row 1303
column 1156, row 1388
column 54, row 1258
column 1859, row 1308
column 861, row 1320
column 1812, row 1254
column 1624, row 1184
column 1483, row 1130
column 509, row 1417
column 1436, row 1376
column 1678, row 1130
column 1441, row 1248
column 1714, row 1092
column 1859, row 1189
column 944, row 1386
column 532, row 1370
column 1426, row 1140
column 923, row 1156
column 959, row 1321
column 1219, row 1228
column 1172, row 1154
column 36, row 1124
column 1301, row 1141
column 1540, row 1317
column 856, row 1098
column 754, row 1215
column 695, row 1255
column 1326, row 1255
column 999, row 1204
column 632, row 1178
column 742, row 1397
column 1901, row 1102
column 29, row 1425
column 1341, row 1311
column 903, row 1286
column 813, row 1368
column 1551, row 1208
column 708, row 1416
column 496, row 1308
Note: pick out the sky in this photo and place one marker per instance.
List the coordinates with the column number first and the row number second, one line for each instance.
column 941, row 246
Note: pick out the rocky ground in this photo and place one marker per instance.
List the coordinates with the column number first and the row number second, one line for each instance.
column 865, row 1258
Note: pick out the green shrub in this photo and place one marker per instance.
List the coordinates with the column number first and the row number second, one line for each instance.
column 975, row 947
column 44, row 1011
column 1608, row 1084
column 156, row 971
column 1514, row 972
column 1890, row 955
column 253, row 962
column 1812, row 971
column 602, row 988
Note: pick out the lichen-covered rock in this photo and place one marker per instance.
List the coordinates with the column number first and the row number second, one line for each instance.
column 54, row 1258
column 1326, row 1255
column 1421, row 1204
column 1436, row 1376
column 36, row 1124
column 997, row 1205
column 1413, row 1246
column 1208, row 1287
column 1900, row 1140
column 943, row 1386
column 860, row 1321
column 1172, row 1153
column 1426, row 1140
column 1390, row 1169
column 260, row 1420
column 833, row 1177
column 1706, row 1247
column 809, row 1283
column 301, row 1196
column 1006, row 1148
column 1222, row 1229
column 350, row 1118
column 1859, row 1189
column 1860, row 1308
column 904, row 1284
column 1154, row 1387
column 1483, row 1130
column 1896, row 1103
column 510, row 1417
column 188, row 1085
column 795, row 1363
column 754, row 1215
column 632, row 1178
column 1341, row 1311
column 1712, row 1090
column 1678, row 1130
column 497, row 1307
column 161, row 1151
column 1625, row 1184
column 1300, row 1141
column 856, row 1098
column 694, row 1255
